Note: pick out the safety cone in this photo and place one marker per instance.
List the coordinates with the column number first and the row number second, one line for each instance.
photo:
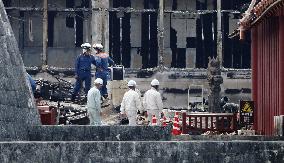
column 176, row 126
column 154, row 120
column 176, row 117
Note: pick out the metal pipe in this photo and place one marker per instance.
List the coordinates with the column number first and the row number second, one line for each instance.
column 120, row 36
column 161, row 35
column 45, row 35
column 219, row 34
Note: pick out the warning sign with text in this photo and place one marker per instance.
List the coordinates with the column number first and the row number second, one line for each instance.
column 246, row 112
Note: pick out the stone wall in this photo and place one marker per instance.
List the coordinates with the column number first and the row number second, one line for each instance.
column 142, row 151
column 99, row 133
column 17, row 108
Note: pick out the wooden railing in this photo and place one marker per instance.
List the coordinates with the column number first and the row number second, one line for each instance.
column 202, row 122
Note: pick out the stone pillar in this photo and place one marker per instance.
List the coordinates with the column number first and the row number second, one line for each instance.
column 100, row 23
column 215, row 80
column 17, row 107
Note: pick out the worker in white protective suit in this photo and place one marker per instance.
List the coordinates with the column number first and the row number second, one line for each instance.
column 152, row 102
column 94, row 103
column 131, row 103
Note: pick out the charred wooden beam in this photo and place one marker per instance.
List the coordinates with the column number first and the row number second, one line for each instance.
column 49, row 9
column 44, row 34
column 161, row 36
column 122, row 9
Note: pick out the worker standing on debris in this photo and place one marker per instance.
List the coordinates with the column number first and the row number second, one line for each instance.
column 131, row 103
column 152, row 101
column 102, row 60
column 83, row 70
column 94, row 103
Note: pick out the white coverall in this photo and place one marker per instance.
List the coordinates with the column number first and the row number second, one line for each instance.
column 153, row 104
column 130, row 104
column 94, row 106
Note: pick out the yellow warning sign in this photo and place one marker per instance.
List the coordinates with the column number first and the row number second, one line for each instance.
column 246, row 112
column 247, row 108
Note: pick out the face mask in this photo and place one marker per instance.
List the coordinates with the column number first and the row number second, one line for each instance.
column 84, row 51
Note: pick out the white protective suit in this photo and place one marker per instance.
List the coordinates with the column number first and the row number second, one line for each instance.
column 130, row 104
column 153, row 104
column 94, row 106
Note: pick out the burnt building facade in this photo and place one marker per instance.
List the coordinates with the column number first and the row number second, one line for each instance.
column 129, row 30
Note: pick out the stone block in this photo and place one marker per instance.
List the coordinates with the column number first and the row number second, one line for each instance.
column 39, row 133
column 13, row 131
column 66, row 133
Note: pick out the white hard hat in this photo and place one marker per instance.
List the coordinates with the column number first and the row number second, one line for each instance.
column 98, row 46
column 131, row 83
column 86, row 46
column 155, row 82
column 99, row 81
